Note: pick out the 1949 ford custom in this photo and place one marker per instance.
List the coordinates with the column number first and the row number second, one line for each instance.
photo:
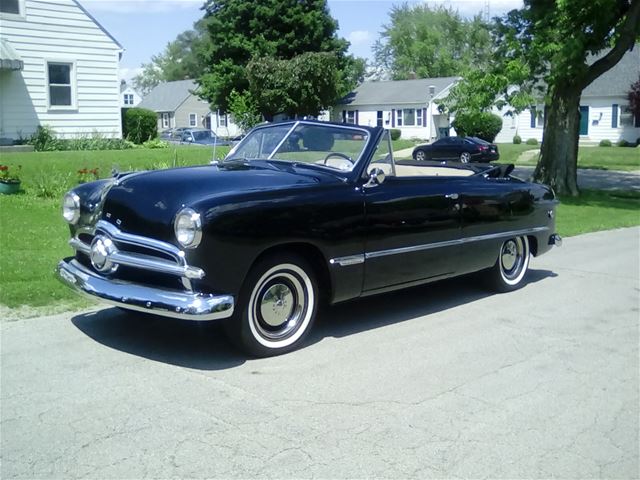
column 298, row 213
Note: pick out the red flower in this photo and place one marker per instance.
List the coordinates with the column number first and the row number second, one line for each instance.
column 4, row 168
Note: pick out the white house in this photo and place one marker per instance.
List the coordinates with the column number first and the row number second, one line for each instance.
column 603, row 109
column 58, row 67
column 129, row 98
column 222, row 124
column 408, row 105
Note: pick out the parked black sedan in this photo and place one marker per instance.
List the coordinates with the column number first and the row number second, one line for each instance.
column 298, row 214
column 463, row 149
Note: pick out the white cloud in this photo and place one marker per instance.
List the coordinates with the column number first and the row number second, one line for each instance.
column 148, row 6
column 360, row 37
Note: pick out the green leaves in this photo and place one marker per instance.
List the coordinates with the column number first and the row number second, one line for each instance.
column 275, row 50
column 431, row 42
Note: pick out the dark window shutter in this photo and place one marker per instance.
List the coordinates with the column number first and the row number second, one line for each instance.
column 614, row 115
column 393, row 118
column 424, row 117
column 344, row 116
column 533, row 117
column 356, row 122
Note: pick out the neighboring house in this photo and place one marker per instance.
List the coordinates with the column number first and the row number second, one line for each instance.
column 129, row 98
column 603, row 108
column 223, row 125
column 408, row 105
column 59, row 68
column 178, row 106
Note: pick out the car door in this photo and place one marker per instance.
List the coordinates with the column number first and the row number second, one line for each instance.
column 412, row 230
column 439, row 149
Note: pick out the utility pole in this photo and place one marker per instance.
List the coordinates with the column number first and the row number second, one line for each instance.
column 487, row 10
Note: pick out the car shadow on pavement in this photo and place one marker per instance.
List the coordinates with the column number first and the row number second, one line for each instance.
column 204, row 346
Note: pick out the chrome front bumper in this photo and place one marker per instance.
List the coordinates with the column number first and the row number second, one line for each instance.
column 169, row 303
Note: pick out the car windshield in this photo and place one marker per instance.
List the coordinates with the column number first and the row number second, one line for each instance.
column 328, row 145
column 201, row 135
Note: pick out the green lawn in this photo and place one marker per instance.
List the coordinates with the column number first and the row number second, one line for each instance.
column 596, row 210
column 601, row 158
column 33, row 236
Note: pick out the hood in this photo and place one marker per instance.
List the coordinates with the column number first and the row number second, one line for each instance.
column 146, row 203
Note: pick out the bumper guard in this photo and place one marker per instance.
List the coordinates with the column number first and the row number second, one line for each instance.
column 168, row 303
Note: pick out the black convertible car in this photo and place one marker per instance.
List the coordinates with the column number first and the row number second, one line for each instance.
column 297, row 214
column 463, row 149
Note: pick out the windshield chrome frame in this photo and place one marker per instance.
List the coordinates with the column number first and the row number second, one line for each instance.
column 295, row 124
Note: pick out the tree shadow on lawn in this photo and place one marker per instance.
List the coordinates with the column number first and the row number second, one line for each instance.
column 203, row 345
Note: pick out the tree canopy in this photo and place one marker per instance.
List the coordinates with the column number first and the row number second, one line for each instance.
column 552, row 50
column 262, row 42
column 179, row 60
column 430, row 41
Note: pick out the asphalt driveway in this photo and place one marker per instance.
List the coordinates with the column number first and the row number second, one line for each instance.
column 441, row 381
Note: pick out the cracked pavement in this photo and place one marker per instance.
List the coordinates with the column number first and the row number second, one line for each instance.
column 444, row 380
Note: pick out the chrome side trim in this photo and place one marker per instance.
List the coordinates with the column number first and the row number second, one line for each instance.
column 168, row 303
column 450, row 243
column 349, row 260
column 360, row 258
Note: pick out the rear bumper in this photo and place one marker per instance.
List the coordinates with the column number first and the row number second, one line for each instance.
column 168, row 303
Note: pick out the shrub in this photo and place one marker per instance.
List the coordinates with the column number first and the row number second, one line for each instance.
column 140, row 125
column 531, row 141
column 44, row 140
column 605, row 143
column 48, row 184
column 155, row 143
column 395, row 133
column 623, row 143
column 96, row 141
column 484, row 125
column 517, row 139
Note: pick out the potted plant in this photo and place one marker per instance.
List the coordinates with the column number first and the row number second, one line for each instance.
column 8, row 183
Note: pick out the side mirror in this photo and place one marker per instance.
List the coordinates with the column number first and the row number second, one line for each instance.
column 376, row 177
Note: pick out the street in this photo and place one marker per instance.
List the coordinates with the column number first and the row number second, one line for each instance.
column 444, row 380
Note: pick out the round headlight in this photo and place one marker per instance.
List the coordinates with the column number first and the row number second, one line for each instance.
column 71, row 208
column 188, row 228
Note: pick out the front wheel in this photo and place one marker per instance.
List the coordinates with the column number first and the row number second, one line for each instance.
column 420, row 155
column 511, row 267
column 465, row 157
column 277, row 306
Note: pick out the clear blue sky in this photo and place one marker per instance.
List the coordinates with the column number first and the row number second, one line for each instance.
column 144, row 27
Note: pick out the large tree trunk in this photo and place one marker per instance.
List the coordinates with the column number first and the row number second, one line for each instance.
column 558, row 162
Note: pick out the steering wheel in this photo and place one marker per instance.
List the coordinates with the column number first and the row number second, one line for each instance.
column 337, row 154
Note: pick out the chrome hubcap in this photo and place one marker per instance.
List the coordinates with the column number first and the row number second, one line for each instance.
column 420, row 155
column 276, row 305
column 509, row 255
column 513, row 257
column 279, row 305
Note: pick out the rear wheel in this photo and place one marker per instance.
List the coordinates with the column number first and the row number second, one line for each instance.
column 276, row 308
column 465, row 157
column 511, row 267
column 420, row 155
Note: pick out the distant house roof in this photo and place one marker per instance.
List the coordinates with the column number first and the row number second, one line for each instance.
column 397, row 92
column 617, row 81
column 167, row 97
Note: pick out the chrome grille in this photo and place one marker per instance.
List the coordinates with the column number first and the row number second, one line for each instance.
column 134, row 252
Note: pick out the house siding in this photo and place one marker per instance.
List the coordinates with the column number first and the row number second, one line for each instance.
column 191, row 105
column 59, row 31
column 599, row 126
column 367, row 115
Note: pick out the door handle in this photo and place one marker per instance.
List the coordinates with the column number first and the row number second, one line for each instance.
column 452, row 196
